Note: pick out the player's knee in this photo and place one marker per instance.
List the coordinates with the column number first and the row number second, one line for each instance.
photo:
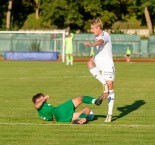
column 87, row 110
column 79, row 99
column 110, row 85
column 91, row 64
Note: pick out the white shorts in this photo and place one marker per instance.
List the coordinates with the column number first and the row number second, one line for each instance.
column 107, row 71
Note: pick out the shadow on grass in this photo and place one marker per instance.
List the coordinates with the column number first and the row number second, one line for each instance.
column 128, row 109
column 98, row 116
column 124, row 110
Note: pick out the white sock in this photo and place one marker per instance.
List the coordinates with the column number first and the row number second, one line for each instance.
column 93, row 101
column 95, row 72
column 111, row 102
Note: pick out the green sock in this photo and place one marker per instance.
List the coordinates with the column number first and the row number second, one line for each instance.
column 88, row 100
column 71, row 59
column 67, row 59
column 83, row 115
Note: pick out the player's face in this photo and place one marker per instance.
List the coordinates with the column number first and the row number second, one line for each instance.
column 38, row 99
column 95, row 29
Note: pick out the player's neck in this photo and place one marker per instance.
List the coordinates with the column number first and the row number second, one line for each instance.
column 100, row 32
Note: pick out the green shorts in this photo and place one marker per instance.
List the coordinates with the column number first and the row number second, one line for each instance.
column 69, row 51
column 64, row 112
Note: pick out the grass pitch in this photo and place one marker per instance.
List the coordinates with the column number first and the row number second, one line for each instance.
column 133, row 120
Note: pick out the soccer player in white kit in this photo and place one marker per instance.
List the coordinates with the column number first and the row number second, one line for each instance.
column 102, row 65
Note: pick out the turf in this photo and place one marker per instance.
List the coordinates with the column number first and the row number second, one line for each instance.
column 133, row 121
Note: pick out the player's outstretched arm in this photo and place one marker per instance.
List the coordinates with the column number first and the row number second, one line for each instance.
column 39, row 103
column 87, row 44
column 96, row 43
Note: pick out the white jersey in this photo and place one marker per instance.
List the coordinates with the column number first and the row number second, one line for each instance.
column 104, row 52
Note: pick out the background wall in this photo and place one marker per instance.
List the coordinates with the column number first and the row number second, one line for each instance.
column 53, row 43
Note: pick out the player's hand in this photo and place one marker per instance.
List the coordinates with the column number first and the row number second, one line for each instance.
column 46, row 97
column 87, row 44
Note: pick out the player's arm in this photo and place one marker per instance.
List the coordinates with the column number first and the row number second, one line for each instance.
column 40, row 102
column 72, row 35
column 96, row 43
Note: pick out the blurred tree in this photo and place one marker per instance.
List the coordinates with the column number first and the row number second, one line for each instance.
column 13, row 13
column 121, row 8
column 3, row 10
column 96, row 9
column 20, row 10
column 71, row 14
column 148, row 20
column 62, row 13
column 8, row 15
column 37, row 9
column 145, row 10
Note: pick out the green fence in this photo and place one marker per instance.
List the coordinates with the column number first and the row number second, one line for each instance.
column 151, row 46
column 29, row 42
column 53, row 43
column 144, row 48
column 121, row 41
column 79, row 48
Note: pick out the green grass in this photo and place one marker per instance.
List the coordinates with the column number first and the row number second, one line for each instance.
column 134, row 110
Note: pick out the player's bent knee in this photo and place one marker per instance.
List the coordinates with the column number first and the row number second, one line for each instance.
column 77, row 101
column 86, row 110
column 110, row 85
column 91, row 64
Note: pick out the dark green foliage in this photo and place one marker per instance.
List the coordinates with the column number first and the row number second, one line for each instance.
column 3, row 10
column 60, row 14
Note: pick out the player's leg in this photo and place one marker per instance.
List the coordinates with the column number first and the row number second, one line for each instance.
column 127, row 58
column 83, row 99
column 71, row 56
column 71, row 59
column 95, row 71
column 67, row 56
column 110, row 100
column 70, row 53
column 67, row 59
column 66, row 110
column 109, row 75
column 80, row 117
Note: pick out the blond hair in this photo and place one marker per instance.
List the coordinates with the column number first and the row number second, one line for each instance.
column 97, row 23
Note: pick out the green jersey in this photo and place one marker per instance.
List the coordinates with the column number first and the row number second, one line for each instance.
column 128, row 52
column 62, row 113
column 46, row 112
column 68, row 41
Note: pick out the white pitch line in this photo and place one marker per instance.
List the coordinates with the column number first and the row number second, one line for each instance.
column 58, row 124
column 64, row 77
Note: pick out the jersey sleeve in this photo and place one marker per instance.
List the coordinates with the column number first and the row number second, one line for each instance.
column 104, row 37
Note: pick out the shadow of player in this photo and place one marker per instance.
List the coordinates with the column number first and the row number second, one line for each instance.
column 128, row 109
column 124, row 110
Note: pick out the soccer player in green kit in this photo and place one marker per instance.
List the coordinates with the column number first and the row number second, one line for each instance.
column 64, row 112
column 69, row 48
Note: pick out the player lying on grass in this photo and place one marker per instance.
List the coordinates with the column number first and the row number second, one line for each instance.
column 64, row 112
